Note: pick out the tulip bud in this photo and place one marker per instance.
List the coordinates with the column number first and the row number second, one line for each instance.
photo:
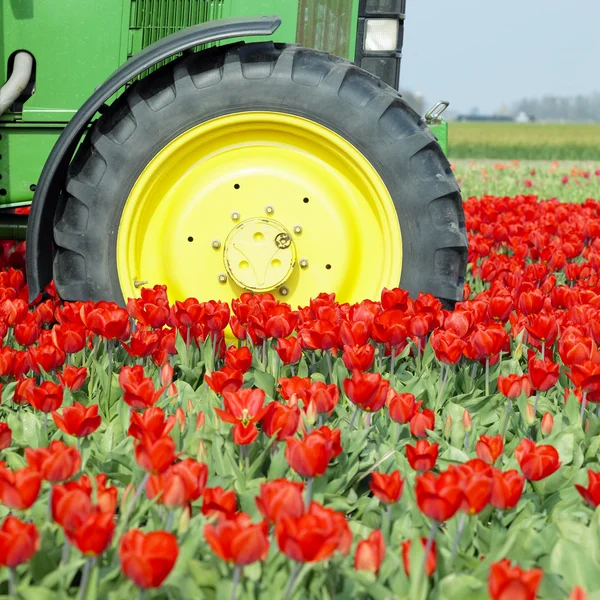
column 448, row 426
column 166, row 375
column 200, row 420
column 310, row 416
column 184, row 520
column 547, row 424
column 587, row 425
column 180, row 418
column 190, row 406
column 201, row 455
column 172, row 390
column 529, row 414
column 466, row 421
column 127, row 494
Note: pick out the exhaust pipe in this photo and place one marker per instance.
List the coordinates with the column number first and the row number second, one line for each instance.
column 17, row 82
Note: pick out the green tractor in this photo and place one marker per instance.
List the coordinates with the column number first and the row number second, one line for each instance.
column 193, row 144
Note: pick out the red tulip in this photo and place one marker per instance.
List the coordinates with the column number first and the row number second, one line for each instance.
column 78, row 420
column 75, row 497
column 401, row 407
column 359, row 358
column 485, row 341
column 421, row 422
column 512, row 386
column 27, row 331
column 238, row 540
column 586, row 376
column 430, row 561
column 7, row 356
column 489, row 448
column 280, row 498
column 47, row 397
column 289, row 351
column 542, row 373
column 313, row 536
column 180, row 484
column 150, row 423
column 422, row 456
column 58, row 462
column 319, row 335
column 370, row 553
column 243, row 409
column 142, row 343
column 280, row 420
column 225, row 380
column 394, row 299
column 578, row 593
column 69, row 337
column 155, row 456
column 367, row 390
column 73, row 377
column 187, row 313
column 500, row 306
column 476, row 481
column 447, row 346
column 536, row 462
column 139, row 391
column 293, row 387
column 5, row 436
column 591, row 494
column 19, row 541
column 109, row 321
column 323, row 397
column 238, row 359
column 391, row 327
column 543, row 328
column 19, row 489
column 310, row 456
column 506, row 489
column 217, row 502
column 438, row 497
column 23, row 390
column 92, row 531
column 387, row 488
column 152, row 309
column 148, row 558
column 530, row 302
column 506, row 582
column 46, row 356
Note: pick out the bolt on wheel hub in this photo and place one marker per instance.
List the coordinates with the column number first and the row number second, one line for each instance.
column 259, row 254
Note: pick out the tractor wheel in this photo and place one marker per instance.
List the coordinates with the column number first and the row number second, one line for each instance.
column 260, row 167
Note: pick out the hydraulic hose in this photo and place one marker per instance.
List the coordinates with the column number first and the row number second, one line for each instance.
column 18, row 80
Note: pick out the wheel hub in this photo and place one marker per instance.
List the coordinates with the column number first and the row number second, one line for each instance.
column 259, row 254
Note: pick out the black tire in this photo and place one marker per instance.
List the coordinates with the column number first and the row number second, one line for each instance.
column 260, row 76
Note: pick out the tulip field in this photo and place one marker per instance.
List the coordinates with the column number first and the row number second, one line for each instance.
column 248, row 449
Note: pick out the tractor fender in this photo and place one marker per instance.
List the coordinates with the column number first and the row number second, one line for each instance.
column 39, row 228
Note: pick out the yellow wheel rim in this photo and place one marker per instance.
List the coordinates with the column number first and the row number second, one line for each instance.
column 259, row 201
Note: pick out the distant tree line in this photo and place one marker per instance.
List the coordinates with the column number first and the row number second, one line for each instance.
column 552, row 108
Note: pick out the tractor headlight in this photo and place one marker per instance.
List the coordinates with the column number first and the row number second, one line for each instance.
column 381, row 35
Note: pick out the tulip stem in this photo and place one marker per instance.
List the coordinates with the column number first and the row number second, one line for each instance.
column 535, row 402
column 444, row 372
column 85, row 578
column 392, row 366
column 237, row 575
column 309, row 486
column 138, row 493
column 428, row 546
column 506, row 417
column 329, row 367
column 109, row 345
column 543, row 349
column 354, row 415
column 12, row 583
column 487, row 376
column 388, row 514
column 459, row 530
column 292, row 370
column 583, row 405
column 292, row 580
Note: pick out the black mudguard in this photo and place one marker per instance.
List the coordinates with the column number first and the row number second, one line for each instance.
column 41, row 219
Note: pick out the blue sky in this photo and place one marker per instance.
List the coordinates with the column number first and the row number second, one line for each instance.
column 483, row 53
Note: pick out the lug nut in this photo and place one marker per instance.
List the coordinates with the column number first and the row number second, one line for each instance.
column 216, row 244
column 222, row 278
column 235, row 216
column 303, row 263
column 284, row 291
column 269, row 209
column 297, row 229
column 139, row 284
